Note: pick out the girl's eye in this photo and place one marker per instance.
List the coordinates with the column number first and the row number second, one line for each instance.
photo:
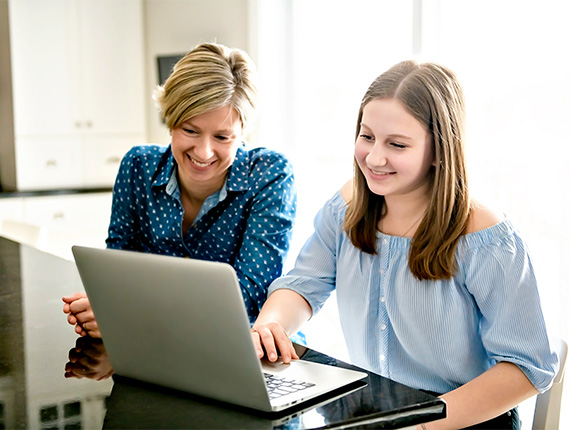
column 367, row 137
column 397, row 145
column 222, row 138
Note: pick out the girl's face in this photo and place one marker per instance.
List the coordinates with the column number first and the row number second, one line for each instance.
column 393, row 150
column 205, row 146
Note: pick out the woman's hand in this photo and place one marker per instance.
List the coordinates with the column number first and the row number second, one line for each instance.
column 272, row 339
column 80, row 314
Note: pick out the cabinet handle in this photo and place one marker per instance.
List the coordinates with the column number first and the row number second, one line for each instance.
column 113, row 160
column 51, row 163
column 77, row 124
column 58, row 215
column 89, row 124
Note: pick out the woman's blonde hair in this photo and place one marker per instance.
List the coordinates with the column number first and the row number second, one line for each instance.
column 432, row 94
column 208, row 77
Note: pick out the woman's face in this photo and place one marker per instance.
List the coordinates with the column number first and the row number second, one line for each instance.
column 205, row 146
column 393, row 150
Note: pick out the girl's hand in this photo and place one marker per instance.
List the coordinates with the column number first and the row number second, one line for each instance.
column 272, row 339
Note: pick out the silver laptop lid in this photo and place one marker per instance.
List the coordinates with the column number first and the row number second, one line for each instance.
column 165, row 320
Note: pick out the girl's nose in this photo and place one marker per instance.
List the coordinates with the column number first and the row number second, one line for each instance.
column 377, row 156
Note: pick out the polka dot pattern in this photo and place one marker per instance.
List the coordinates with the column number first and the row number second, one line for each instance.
column 248, row 223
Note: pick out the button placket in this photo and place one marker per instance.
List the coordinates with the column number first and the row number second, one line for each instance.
column 383, row 320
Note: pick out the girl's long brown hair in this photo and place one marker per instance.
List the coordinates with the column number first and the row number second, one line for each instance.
column 432, row 94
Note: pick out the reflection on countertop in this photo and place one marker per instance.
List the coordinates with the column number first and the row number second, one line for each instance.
column 34, row 343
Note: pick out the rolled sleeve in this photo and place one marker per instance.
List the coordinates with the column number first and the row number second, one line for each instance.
column 502, row 281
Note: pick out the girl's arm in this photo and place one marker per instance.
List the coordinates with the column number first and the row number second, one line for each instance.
column 497, row 390
column 282, row 314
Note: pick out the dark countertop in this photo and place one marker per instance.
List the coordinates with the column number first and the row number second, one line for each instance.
column 41, row 193
column 37, row 347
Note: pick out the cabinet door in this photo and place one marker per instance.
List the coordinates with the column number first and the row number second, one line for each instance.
column 74, row 213
column 102, row 157
column 43, row 78
column 48, row 162
column 111, row 62
column 11, row 208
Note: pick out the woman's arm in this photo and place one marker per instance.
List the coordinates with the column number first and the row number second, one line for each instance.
column 268, row 227
column 124, row 226
column 491, row 394
column 283, row 314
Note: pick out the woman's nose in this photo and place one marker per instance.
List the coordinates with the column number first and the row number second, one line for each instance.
column 203, row 149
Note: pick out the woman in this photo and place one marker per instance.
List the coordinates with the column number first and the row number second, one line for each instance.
column 205, row 196
column 434, row 290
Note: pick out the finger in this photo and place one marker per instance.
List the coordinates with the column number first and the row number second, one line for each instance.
column 85, row 317
column 95, row 333
column 79, row 330
column 73, row 297
column 286, row 349
column 80, row 305
column 268, row 342
column 91, row 329
column 72, row 319
column 257, row 343
column 294, row 354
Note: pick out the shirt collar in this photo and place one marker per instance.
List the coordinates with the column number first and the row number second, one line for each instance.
column 165, row 169
column 236, row 180
column 238, row 175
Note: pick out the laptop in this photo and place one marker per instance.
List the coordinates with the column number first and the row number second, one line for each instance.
column 181, row 323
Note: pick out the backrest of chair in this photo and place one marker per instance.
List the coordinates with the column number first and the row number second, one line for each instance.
column 548, row 404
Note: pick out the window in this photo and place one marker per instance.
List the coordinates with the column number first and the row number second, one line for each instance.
column 317, row 57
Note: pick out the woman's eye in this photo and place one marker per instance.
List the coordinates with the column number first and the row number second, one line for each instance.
column 222, row 138
column 397, row 145
column 189, row 131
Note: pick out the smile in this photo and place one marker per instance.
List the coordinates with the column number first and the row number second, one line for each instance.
column 198, row 163
column 374, row 172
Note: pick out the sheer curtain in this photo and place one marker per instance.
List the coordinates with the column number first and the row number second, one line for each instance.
column 317, row 57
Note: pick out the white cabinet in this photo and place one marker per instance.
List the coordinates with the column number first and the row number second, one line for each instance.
column 11, row 208
column 77, row 75
column 79, row 214
column 53, row 223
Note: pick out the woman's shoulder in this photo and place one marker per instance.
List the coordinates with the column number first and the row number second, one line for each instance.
column 262, row 154
column 146, row 151
column 263, row 161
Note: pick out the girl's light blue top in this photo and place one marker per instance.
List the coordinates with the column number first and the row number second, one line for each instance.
column 431, row 335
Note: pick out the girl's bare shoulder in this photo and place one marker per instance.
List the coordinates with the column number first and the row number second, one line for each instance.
column 346, row 191
column 482, row 217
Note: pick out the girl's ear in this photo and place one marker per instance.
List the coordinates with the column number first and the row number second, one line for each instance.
column 434, row 161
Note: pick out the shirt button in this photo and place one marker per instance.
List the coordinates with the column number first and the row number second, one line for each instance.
column 383, row 327
column 385, row 241
column 382, row 299
column 382, row 357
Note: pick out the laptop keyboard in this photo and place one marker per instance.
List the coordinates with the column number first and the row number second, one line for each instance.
column 278, row 386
